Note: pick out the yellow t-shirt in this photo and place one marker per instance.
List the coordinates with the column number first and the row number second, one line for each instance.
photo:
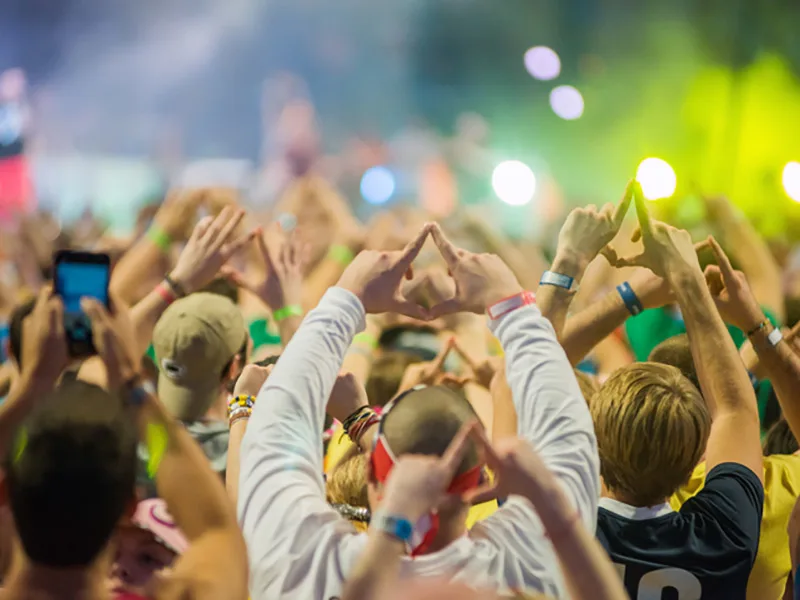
column 781, row 488
column 340, row 443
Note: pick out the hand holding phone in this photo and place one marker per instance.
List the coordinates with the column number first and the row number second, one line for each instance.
column 80, row 275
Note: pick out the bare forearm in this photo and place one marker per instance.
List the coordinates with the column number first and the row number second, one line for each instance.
column 237, row 432
column 138, row 267
column 323, row 277
column 15, row 410
column 723, row 379
column 288, row 327
column 144, row 316
column 755, row 260
column 589, row 327
column 554, row 301
column 782, row 367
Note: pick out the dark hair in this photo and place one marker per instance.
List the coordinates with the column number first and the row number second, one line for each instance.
column 677, row 352
column 386, row 375
column 71, row 473
column 243, row 353
column 223, row 287
column 792, row 306
column 15, row 328
column 780, row 439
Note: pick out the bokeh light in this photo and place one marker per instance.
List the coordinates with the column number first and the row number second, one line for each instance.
column 657, row 178
column 791, row 180
column 542, row 63
column 377, row 185
column 566, row 102
column 514, row 182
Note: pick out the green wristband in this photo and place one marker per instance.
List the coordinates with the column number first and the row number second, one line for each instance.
column 160, row 238
column 291, row 310
column 341, row 254
column 365, row 339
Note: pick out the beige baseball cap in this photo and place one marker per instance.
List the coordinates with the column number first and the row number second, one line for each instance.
column 194, row 340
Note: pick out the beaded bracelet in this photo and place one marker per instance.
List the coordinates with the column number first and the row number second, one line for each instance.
column 241, row 401
column 355, row 416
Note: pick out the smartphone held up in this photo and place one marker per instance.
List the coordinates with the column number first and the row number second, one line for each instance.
column 80, row 275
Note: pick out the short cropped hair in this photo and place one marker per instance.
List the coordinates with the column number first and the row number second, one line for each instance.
column 70, row 474
column 386, row 375
column 426, row 421
column 652, row 426
column 677, row 352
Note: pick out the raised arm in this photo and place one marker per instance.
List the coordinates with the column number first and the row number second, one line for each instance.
column 593, row 324
column 776, row 358
column 281, row 490
column 215, row 565
column 276, row 284
column 520, row 470
column 551, row 411
column 751, row 252
column 584, row 234
column 670, row 253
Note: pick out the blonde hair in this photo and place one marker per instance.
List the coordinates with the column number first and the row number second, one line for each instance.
column 652, row 427
column 347, row 485
column 588, row 384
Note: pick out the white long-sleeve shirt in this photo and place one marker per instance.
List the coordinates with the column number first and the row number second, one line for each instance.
column 300, row 548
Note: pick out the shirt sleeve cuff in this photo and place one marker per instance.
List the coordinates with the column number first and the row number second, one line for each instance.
column 348, row 305
column 507, row 321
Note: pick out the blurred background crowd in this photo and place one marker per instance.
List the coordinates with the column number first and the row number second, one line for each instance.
column 529, row 108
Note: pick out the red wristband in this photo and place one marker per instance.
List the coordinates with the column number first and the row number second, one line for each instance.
column 505, row 306
column 167, row 295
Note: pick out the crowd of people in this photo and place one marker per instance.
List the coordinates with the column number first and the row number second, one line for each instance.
column 303, row 406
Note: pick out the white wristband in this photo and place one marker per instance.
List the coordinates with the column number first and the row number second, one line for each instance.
column 498, row 309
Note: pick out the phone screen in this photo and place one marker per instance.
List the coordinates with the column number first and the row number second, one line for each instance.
column 73, row 281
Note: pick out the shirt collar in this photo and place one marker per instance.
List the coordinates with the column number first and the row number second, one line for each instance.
column 635, row 513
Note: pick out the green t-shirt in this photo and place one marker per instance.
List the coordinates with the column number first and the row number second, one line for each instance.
column 654, row 325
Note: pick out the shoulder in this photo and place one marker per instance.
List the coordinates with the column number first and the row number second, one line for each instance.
column 732, row 498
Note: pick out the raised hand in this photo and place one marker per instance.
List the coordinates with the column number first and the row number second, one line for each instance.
column 251, row 380
column 210, row 246
column 347, row 396
column 480, row 279
column 375, row 277
column 668, row 251
column 179, row 211
column 44, row 343
column 586, row 232
column 483, row 371
column 430, row 372
column 418, row 484
column 515, row 466
column 281, row 282
column 731, row 293
column 114, row 339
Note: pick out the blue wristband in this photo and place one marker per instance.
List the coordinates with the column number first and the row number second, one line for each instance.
column 629, row 297
column 396, row 526
column 557, row 279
